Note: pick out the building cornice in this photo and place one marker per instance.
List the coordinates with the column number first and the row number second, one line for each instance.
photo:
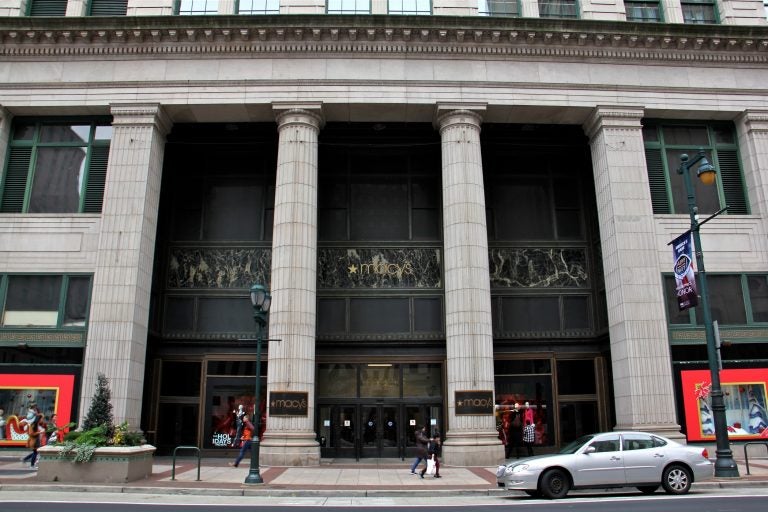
column 435, row 36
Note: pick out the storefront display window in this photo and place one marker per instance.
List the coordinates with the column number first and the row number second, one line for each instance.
column 224, row 397
column 520, row 398
column 50, row 394
column 745, row 403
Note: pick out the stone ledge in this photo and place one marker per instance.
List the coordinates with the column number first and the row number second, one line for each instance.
column 109, row 465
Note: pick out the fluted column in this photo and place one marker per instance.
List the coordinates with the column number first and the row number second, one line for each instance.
column 291, row 440
column 471, row 439
column 640, row 353
column 117, row 329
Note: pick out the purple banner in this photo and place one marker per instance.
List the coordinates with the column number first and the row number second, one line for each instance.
column 685, row 268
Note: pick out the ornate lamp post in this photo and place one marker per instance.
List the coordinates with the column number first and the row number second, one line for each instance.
column 261, row 300
column 725, row 466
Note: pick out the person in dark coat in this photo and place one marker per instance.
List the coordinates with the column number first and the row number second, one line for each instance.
column 434, row 450
column 421, row 448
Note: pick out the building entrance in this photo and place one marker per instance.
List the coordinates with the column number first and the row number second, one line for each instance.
column 379, row 430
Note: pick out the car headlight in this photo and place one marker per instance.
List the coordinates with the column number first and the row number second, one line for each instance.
column 517, row 468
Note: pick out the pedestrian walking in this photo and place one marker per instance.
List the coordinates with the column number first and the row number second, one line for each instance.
column 33, row 428
column 247, row 439
column 421, row 448
column 529, row 436
column 434, row 450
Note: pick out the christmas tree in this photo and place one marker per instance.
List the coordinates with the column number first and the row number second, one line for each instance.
column 100, row 412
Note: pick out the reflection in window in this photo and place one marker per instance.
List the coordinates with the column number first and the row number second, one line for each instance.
column 558, row 9
column 36, row 301
column 56, row 168
column 699, row 11
column 337, row 380
column 662, row 154
column 259, row 7
column 512, row 393
column 422, row 380
column 509, row 8
column 645, row 11
column 223, row 396
column 349, row 7
column 380, row 380
column 198, row 7
column 410, row 7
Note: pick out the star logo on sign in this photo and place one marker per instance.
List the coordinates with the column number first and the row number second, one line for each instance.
column 352, row 269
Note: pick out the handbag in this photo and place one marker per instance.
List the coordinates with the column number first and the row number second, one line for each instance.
column 431, row 465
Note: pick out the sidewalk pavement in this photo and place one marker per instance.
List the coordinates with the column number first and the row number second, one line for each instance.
column 334, row 477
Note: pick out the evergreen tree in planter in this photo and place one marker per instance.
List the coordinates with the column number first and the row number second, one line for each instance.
column 98, row 429
column 100, row 412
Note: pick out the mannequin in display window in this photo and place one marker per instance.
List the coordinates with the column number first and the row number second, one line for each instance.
column 239, row 423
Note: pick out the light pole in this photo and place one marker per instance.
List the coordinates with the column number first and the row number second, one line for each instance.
column 261, row 300
column 725, row 466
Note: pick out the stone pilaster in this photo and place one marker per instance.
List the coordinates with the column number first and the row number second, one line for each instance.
column 291, row 440
column 752, row 128
column 6, row 119
column 640, row 354
column 470, row 439
column 117, row 332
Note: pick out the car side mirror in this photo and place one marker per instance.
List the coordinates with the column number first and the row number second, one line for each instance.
column 590, row 449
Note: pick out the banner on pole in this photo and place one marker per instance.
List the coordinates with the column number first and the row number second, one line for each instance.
column 685, row 268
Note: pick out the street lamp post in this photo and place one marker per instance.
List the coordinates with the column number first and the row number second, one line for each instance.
column 725, row 466
column 261, row 300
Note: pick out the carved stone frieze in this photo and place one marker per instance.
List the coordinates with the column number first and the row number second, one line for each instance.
column 218, row 268
column 94, row 36
column 538, row 267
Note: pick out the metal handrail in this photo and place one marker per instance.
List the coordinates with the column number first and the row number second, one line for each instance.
column 746, row 457
column 173, row 468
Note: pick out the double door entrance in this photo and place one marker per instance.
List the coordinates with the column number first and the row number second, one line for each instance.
column 374, row 430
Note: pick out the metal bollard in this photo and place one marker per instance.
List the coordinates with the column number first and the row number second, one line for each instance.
column 173, row 468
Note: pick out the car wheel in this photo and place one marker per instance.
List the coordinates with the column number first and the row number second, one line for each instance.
column 648, row 489
column 676, row 480
column 554, row 484
column 533, row 494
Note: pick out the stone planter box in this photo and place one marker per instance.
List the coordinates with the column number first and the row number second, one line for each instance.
column 108, row 465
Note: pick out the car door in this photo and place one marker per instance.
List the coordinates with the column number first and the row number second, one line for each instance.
column 643, row 462
column 600, row 463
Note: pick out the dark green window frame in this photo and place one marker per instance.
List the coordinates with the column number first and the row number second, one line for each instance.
column 47, row 8
column 63, row 294
column 699, row 12
column 644, row 11
column 107, row 7
column 499, row 8
column 18, row 179
column 196, row 7
column 667, row 188
column 754, row 301
column 559, row 9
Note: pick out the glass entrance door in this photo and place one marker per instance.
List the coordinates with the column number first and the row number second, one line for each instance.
column 381, row 433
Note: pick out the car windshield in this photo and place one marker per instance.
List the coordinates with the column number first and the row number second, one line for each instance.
column 573, row 446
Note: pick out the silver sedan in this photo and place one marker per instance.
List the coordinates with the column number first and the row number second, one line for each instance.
column 610, row 459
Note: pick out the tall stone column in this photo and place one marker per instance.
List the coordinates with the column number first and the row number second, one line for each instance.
column 471, row 439
column 752, row 128
column 291, row 440
column 640, row 354
column 117, row 329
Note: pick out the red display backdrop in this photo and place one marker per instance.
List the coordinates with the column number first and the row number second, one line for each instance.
column 52, row 394
column 744, row 394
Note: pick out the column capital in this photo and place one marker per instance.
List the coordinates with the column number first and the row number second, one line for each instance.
column 459, row 113
column 754, row 119
column 611, row 116
column 137, row 114
column 287, row 113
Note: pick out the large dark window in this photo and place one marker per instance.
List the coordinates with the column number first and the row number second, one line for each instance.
column 734, row 299
column 108, row 7
column 643, row 10
column 665, row 142
column 374, row 317
column 56, row 167
column 44, row 301
column 379, row 183
column 509, row 8
column 699, row 11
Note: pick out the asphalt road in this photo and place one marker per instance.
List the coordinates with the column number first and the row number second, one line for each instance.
column 747, row 501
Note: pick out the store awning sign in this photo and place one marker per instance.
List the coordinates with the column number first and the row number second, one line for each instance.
column 685, row 271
